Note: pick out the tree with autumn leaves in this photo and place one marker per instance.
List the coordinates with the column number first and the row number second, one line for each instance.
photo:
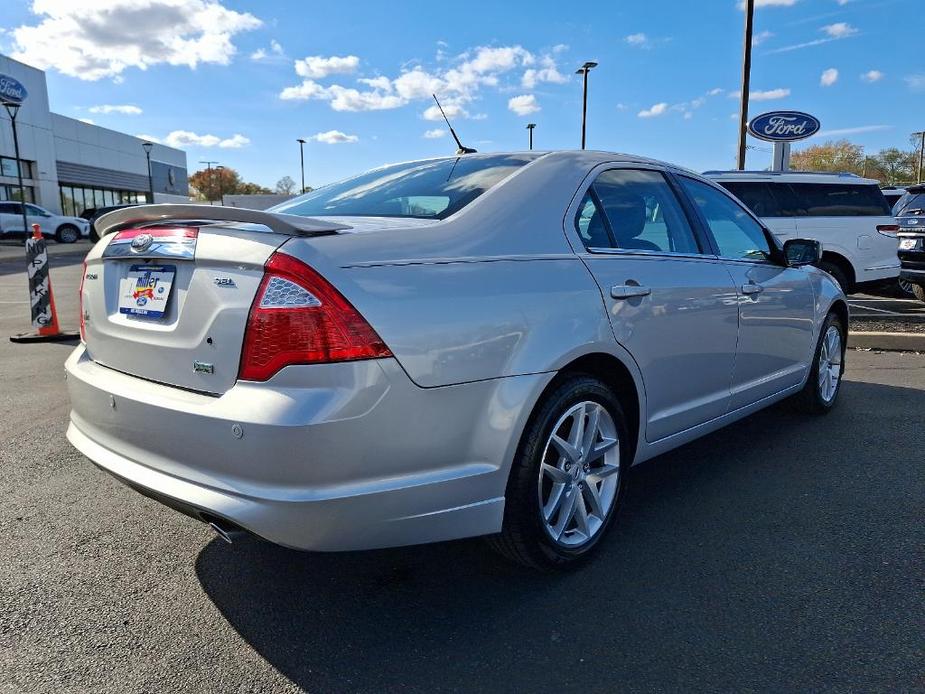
column 211, row 184
column 889, row 166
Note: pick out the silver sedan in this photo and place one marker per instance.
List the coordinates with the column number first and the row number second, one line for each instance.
column 473, row 345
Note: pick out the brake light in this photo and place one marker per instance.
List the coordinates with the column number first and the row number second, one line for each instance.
column 298, row 317
column 80, row 294
column 888, row 229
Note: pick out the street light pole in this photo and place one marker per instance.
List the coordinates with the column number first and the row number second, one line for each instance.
column 221, row 184
column 302, row 161
column 584, row 70
column 13, row 110
column 530, row 127
column 209, row 165
column 918, row 178
column 746, row 79
column 147, row 147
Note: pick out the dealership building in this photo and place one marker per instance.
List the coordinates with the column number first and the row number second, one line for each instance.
column 69, row 166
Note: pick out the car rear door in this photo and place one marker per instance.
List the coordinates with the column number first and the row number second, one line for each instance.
column 672, row 306
column 775, row 303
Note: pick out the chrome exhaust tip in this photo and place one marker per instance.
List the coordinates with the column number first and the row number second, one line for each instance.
column 227, row 532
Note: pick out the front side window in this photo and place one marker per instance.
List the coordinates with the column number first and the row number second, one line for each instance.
column 432, row 189
column 736, row 233
column 634, row 210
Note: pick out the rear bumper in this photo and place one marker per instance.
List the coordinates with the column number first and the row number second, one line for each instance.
column 361, row 458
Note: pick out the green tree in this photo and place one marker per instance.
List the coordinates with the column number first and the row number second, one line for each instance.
column 833, row 156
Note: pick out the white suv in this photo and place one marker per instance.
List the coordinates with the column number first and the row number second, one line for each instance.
column 62, row 228
column 846, row 213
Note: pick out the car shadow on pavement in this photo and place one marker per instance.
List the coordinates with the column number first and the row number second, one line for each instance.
column 751, row 557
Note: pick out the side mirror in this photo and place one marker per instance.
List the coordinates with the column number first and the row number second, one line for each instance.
column 799, row 252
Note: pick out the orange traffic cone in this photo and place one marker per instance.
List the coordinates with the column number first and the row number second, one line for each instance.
column 42, row 300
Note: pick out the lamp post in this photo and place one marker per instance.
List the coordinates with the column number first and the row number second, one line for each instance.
column 921, row 154
column 221, row 184
column 147, row 147
column 302, row 161
column 530, row 127
column 584, row 70
column 746, row 79
column 12, row 110
column 209, row 165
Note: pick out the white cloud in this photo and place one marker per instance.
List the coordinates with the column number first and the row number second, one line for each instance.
column 334, row 137
column 839, row 30
column 88, row 121
column 416, row 84
column 309, row 89
column 125, row 109
column 715, row 91
column 383, row 83
column 560, row 48
column 766, row 95
column 872, row 76
column 452, row 110
column 149, row 138
column 274, row 52
column 187, row 138
column 656, row 110
column 344, row 99
column 549, row 72
column 99, row 39
column 639, row 40
column 915, row 82
column 315, row 66
column 769, row 3
column 435, row 134
column 622, row 107
column 829, row 77
column 523, row 105
column 761, row 37
column 851, row 131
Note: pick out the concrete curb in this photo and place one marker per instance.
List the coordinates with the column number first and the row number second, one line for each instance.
column 892, row 342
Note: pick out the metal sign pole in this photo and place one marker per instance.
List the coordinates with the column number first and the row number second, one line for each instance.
column 13, row 109
column 781, row 157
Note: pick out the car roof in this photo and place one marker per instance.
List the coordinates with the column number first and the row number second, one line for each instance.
column 791, row 177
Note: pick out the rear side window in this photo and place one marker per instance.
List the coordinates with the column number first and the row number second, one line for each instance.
column 764, row 199
column 10, row 208
column 840, row 200
column 634, row 210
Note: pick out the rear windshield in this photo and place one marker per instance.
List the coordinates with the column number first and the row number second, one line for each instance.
column 810, row 199
column 432, row 189
column 909, row 203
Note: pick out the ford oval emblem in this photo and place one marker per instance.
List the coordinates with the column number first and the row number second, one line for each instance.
column 11, row 90
column 142, row 242
column 784, row 126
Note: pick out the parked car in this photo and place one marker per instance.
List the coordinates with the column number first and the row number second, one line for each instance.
column 91, row 214
column 910, row 215
column 61, row 228
column 893, row 194
column 474, row 345
column 844, row 212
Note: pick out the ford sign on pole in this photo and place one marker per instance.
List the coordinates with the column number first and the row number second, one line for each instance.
column 784, row 126
column 11, row 91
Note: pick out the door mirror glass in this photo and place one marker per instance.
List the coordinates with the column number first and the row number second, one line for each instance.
column 802, row 252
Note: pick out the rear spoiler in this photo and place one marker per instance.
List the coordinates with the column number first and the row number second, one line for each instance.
column 289, row 224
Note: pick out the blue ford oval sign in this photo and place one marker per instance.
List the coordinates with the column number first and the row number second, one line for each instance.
column 784, row 126
column 11, row 91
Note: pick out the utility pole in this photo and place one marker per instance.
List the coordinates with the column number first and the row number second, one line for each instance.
column 921, row 135
column 221, row 184
column 530, row 127
column 584, row 70
column 12, row 109
column 209, row 164
column 147, row 148
column 746, row 79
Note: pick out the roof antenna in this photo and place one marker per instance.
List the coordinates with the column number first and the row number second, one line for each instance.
column 461, row 150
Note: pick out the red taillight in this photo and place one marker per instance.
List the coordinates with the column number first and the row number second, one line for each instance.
column 80, row 293
column 888, row 229
column 298, row 317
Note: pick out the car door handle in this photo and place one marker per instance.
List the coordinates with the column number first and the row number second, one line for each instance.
column 628, row 291
column 752, row 288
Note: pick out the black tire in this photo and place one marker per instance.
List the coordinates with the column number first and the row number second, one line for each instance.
column 523, row 538
column 67, row 233
column 837, row 274
column 919, row 291
column 810, row 400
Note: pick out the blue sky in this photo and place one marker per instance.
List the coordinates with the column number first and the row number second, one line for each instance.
column 239, row 80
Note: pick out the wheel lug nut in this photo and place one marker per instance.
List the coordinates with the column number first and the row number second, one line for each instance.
column 581, row 485
column 586, row 467
column 568, row 466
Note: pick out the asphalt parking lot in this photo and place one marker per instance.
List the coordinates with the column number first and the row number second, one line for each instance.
column 780, row 554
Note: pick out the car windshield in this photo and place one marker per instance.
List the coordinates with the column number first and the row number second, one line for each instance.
column 432, row 189
column 909, row 203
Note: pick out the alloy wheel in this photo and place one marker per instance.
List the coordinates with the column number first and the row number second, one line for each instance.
column 830, row 362
column 579, row 474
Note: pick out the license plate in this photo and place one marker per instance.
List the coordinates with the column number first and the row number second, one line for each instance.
column 907, row 244
column 145, row 290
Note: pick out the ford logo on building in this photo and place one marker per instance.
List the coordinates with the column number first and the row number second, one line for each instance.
column 11, row 91
column 784, row 126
